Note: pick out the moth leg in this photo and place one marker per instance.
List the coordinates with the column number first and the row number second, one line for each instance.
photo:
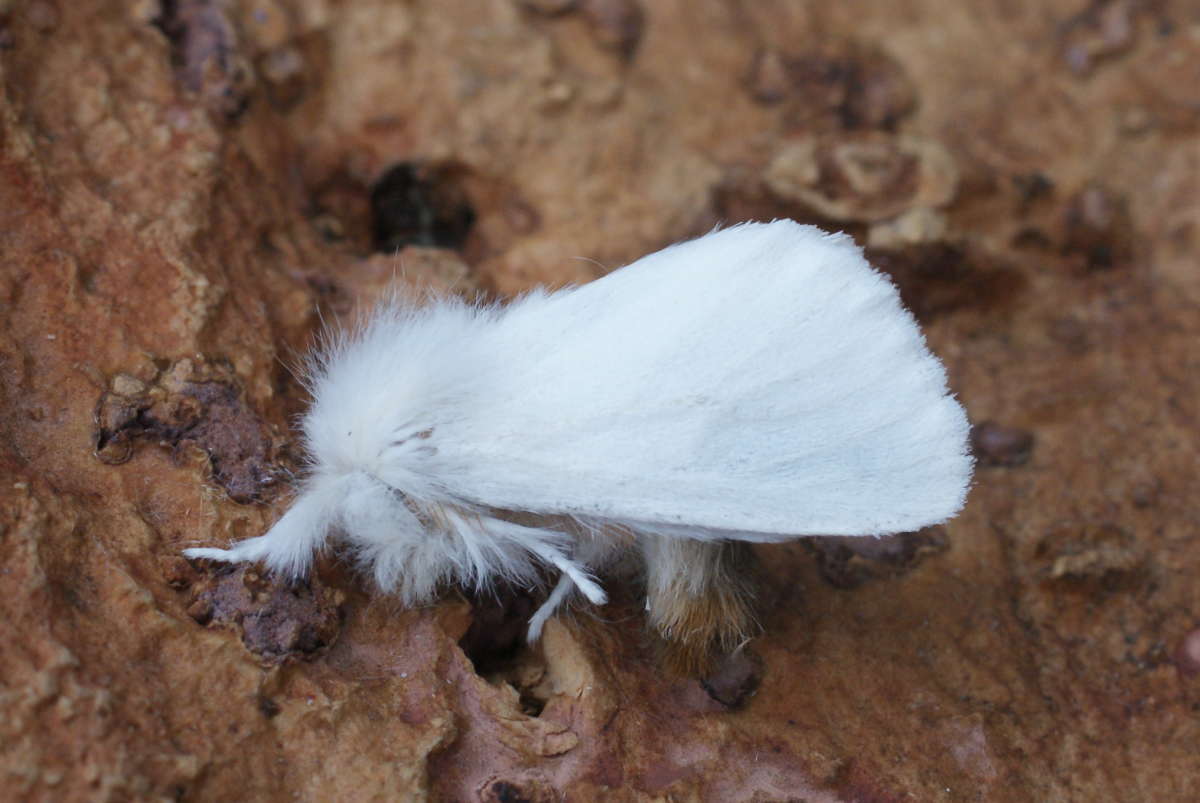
column 540, row 543
column 589, row 551
column 286, row 548
column 699, row 598
column 542, row 615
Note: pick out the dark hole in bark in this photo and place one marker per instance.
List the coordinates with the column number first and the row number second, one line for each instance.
column 419, row 205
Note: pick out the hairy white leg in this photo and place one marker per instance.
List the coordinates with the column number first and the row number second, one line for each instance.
column 248, row 551
column 561, row 589
column 536, row 541
column 590, row 588
column 287, row 547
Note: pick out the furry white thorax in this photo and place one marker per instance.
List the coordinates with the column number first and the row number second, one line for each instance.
column 760, row 383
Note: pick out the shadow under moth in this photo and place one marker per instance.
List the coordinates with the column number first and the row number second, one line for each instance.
column 758, row 384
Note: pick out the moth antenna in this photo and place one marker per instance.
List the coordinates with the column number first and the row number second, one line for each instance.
column 699, row 598
column 321, row 318
column 398, row 257
column 293, row 365
column 398, row 267
column 604, row 269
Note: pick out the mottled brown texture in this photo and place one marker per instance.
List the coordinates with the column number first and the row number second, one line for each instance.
column 850, row 176
column 1099, row 230
column 848, row 562
column 186, row 185
column 276, row 619
column 190, row 405
column 836, row 84
column 206, row 54
column 617, row 24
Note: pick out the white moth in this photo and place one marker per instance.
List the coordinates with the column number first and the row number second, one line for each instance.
column 757, row 384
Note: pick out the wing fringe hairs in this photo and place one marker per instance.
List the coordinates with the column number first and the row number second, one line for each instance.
column 760, row 383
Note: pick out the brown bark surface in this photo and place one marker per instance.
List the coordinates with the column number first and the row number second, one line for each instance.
column 186, row 190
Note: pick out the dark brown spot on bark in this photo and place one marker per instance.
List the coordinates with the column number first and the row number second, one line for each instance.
column 205, row 52
column 734, row 679
column 1098, row 230
column 997, row 445
column 939, row 278
column 508, row 791
column 276, row 619
column 849, row 561
column 617, row 24
column 191, row 405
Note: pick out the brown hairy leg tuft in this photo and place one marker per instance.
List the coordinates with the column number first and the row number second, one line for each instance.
column 700, row 599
